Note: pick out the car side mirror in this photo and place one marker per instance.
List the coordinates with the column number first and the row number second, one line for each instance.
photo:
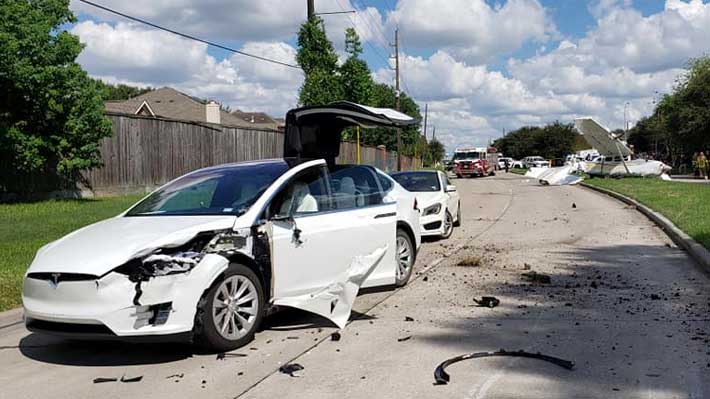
column 450, row 188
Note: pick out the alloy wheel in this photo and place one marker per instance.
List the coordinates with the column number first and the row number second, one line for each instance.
column 235, row 307
column 404, row 257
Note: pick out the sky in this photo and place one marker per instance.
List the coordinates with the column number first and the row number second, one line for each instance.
column 481, row 67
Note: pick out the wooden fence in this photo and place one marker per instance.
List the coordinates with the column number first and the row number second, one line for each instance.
column 145, row 152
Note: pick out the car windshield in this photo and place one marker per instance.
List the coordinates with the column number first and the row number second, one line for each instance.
column 537, row 159
column 227, row 190
column 466, row 155
column 418, row 181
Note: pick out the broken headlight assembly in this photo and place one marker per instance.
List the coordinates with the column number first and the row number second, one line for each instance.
column 431, row 210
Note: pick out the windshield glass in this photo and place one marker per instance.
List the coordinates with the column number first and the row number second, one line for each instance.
column 418, row 181
column 466, row 155
column 227, row 190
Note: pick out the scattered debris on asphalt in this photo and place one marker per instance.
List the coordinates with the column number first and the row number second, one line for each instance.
column 407, row 318
column 100, row 380
column 535, row 277
column 335, row 336
column 177, row 376
column 487, row 302
column 470, row 261
column 407, row 338
column 442, row 378
column 574, row 206
column 123, row 378
column 426, row 278
column 291, row 368
column 222, row 355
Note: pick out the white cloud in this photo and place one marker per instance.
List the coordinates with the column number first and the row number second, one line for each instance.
column 126, row 53
column 472, row 29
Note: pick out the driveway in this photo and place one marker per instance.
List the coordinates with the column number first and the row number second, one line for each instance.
column 628, row 307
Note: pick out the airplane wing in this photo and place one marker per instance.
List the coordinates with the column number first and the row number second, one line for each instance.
column 600, row 138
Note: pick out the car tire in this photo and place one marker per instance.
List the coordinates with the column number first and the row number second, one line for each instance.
column 457, row 223
column 223, row 333
column 405, row 247
column 450, row 229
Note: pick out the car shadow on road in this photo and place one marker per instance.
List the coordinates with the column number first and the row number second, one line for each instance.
column 291, row 319
column 55, row 350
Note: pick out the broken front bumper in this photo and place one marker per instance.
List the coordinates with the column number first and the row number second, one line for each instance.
column 105, row 307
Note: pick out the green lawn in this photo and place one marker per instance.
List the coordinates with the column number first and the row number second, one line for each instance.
column 518, row 171
column 687, row 205
column 26, row 227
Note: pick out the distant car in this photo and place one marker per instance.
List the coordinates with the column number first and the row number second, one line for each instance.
column 502, row 161
column 517, row 164
column 535, row 162
column 437, row 198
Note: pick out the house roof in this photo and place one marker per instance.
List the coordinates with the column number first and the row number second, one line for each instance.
column 169, row 103
column 256, row 118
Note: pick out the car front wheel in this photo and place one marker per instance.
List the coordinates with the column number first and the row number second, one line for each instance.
column 230, row 312
column 405, row 258
column 448, row 225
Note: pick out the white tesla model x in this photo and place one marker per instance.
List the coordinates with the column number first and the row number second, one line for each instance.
column 203, row 257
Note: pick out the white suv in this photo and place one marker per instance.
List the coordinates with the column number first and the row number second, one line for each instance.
column 535, row 162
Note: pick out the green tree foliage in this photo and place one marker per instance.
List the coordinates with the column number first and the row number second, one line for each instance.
column 680, row 123
column 51, row 113
column 436, row 152
column 551, row 141
column 110, row 92
column 317, row 57
column 355, row 74
column 384, row 96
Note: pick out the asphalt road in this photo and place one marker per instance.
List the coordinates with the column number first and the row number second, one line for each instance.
column 629, row 308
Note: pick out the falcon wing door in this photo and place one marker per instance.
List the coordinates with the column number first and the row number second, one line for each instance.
column 314, row 132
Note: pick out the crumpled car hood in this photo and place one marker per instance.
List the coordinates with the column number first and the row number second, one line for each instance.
column 100, row 247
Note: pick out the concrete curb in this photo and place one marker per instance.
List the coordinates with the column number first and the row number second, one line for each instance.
column 10, row 318
column 692, row 247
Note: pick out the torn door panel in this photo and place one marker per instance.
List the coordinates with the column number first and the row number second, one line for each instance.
column 335, row 301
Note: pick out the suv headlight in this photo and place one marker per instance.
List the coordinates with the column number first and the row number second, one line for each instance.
column 431, row 210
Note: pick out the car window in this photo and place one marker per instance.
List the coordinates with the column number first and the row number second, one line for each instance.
column 385, row 182
column 212, row 191
column 418, row 181
column 306, row 193
column 354, row 187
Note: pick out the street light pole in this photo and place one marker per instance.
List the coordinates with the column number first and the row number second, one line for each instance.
column 626, row 124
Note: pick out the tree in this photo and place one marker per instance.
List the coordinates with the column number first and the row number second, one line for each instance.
column 384, row 97
column 356, row 77
column 51, row 112
column 317, row 58
column 436, row 151
column 551, row 141
column 119, row 91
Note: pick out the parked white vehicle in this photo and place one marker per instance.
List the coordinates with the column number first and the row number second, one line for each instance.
column 503, row 160
column 437, row 198
column 408, row 211
column 535, row 162
column 204, row 256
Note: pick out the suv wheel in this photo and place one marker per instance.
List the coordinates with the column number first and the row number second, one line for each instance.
column 230, row 312
column 405, row 254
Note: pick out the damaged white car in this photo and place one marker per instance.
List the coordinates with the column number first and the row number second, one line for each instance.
column 202, row 258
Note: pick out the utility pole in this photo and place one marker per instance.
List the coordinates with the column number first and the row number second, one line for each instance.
column 396, row 95
column 311, row 9
column 426, row 112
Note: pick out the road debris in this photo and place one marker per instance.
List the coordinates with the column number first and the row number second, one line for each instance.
column 335, row 336
column 470, row 261
column 407, row 318
column 442, row 378
column 407, row 338
column 487, row 302
column 100, row 380
column 535, row 277
column 223, row 355
column 291, row 368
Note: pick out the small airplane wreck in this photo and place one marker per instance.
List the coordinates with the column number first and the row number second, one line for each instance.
column 615, row 159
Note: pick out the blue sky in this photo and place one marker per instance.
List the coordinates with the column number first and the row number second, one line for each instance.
column 482, row 66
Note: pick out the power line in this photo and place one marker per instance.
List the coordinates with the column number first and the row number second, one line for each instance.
column 258, row 57
column 372, row 18
column 367, row 42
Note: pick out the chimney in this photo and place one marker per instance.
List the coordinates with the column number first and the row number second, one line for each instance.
column 212, row 113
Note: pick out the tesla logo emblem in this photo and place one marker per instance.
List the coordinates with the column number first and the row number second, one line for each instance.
column 55, row 280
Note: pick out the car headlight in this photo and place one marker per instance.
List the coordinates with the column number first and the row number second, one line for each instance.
column 432, row 210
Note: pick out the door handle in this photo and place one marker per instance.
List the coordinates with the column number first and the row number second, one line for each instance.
column 385, row 215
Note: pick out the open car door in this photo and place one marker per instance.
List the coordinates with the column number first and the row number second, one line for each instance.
column 314, row 132
column 323, row 250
